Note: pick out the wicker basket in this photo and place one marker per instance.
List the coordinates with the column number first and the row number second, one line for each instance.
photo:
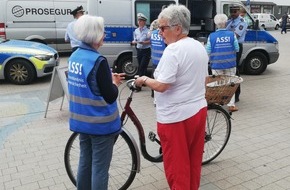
column 221, row 88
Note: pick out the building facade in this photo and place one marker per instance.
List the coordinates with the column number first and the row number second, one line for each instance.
column 277, row 8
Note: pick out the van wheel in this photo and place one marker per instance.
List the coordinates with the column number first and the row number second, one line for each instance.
column 125, row 65
column 19, row 71
column 277, row 27
column 256, row 63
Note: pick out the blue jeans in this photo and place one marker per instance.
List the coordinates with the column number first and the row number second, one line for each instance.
column 95, row 159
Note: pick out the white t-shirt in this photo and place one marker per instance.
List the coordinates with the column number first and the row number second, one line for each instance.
column 183, row 65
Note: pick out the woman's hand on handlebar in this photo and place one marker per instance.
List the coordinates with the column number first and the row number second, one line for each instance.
column 140, row 81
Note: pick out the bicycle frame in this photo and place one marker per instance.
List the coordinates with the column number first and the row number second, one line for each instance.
column 126, row 162
column 130, row 113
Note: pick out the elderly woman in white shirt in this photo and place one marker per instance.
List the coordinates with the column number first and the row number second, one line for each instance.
column 181, row 107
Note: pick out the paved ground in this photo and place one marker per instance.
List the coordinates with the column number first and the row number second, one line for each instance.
column 256, row 157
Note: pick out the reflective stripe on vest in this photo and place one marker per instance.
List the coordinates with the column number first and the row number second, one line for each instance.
column 87, row 101
column 219, row 54
column 94, row 119
column 223, row 54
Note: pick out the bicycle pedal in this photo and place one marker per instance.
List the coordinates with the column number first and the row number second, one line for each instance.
column 152, row 136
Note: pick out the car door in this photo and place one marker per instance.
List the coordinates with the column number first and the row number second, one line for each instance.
column 274, row 21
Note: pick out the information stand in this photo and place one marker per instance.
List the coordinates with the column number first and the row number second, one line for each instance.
column 58, row 86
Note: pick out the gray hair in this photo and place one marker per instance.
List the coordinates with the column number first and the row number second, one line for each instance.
column 220, row 20
column 177, row 15
column 89, row 29
column 154, row 25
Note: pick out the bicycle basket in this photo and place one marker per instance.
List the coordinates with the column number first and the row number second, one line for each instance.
column 221, row 88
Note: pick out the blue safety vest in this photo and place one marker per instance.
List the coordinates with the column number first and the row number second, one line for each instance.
column 157, row 47
column 89, row 113
column 223, row 54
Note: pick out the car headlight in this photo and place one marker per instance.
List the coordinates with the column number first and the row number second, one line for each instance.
column 43, row 57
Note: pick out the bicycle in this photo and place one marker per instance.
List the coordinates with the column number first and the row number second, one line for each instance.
column 126, row 155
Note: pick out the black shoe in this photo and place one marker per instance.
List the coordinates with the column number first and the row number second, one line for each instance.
column 237, row 100
column 152, row 93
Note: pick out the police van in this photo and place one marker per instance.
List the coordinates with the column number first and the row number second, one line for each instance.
column 259, row 49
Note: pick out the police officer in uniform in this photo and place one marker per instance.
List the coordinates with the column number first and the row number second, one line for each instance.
column 238, row 25
column 69, row 34
column 142, row 42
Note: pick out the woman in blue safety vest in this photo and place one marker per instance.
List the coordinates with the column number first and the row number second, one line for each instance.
column 157, row 47
column 222, row 46
column 92, row 104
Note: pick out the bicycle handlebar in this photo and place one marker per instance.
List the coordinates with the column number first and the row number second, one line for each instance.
column 131, row 84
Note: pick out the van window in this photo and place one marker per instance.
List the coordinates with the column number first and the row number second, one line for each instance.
column 249, row 20
column 150, row 9
column 273, row 17
column 201, row 10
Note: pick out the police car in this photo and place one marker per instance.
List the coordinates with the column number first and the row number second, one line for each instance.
column 21, row 62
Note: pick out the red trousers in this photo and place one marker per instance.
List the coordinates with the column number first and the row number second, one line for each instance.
column 182, row 146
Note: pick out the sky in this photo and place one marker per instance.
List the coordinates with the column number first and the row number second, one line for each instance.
column 278, row 2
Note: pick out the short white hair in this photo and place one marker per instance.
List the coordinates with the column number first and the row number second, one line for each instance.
column 89, row 29
column 154, row 25
column 176, row 15
column 220, row 20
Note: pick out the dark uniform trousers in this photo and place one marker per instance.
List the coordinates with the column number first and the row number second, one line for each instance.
column 143, row 56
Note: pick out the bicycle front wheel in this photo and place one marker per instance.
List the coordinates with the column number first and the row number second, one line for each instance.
column 217, row 133
column 123, row 166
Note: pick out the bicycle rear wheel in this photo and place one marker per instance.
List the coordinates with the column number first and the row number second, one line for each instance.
column 217, row 133
column 123, row 166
